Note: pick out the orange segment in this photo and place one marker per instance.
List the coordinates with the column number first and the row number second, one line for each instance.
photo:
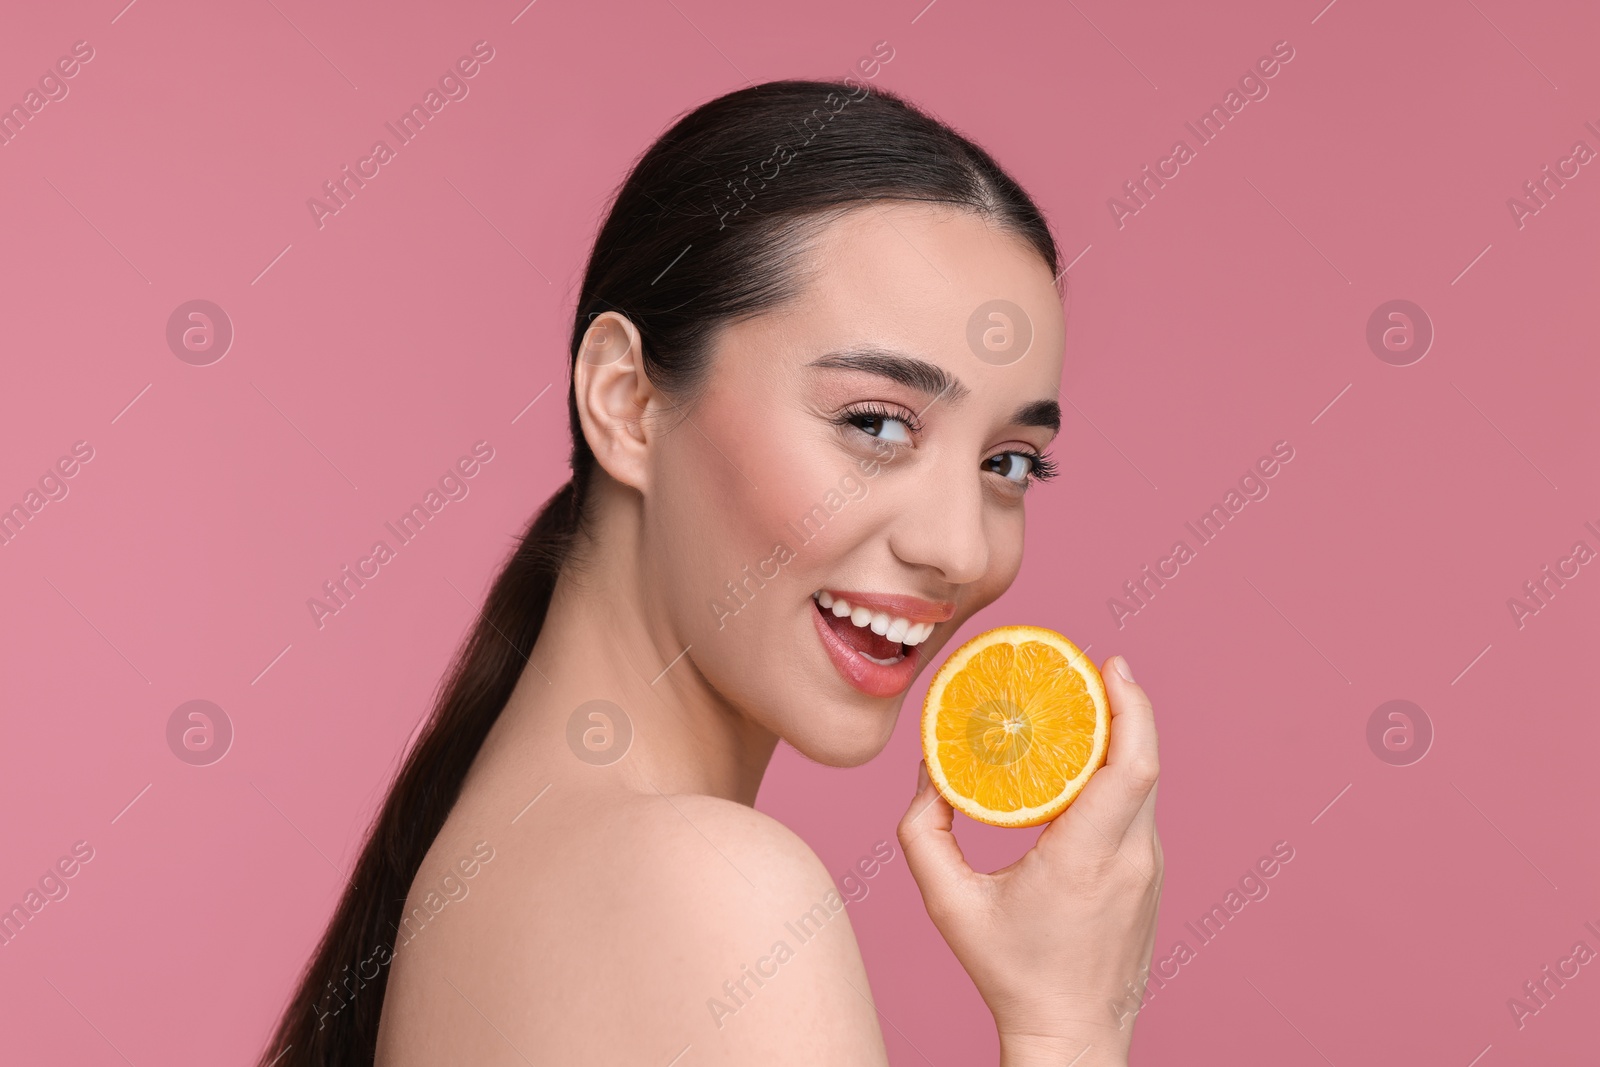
column 1014, row 724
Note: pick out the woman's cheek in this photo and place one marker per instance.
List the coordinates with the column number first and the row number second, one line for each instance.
column 1005, row 554
column 748, row 534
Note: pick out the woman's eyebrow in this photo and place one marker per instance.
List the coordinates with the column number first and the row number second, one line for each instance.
column 929, row 379
column 1046, row 413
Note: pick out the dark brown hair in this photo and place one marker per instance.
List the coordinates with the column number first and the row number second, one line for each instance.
column 708, row 228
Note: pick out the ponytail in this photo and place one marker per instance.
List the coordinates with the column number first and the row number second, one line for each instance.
column 338, row 1004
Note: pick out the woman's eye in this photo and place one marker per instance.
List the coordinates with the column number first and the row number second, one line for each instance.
column 886, row 427
column 1013, row 466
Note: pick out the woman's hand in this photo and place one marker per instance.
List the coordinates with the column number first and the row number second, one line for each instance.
column 1058, row 943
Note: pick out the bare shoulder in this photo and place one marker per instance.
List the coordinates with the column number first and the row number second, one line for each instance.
column 753, row 848
column 640, row 927
column 752, row 932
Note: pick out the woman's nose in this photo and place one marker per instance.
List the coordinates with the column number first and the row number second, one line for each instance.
column 939, row 522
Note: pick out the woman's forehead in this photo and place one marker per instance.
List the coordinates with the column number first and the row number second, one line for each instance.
column 934, row 282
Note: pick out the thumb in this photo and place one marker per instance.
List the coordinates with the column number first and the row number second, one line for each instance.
column 941, row 871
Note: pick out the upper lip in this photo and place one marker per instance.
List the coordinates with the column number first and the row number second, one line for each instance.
column 897, row 605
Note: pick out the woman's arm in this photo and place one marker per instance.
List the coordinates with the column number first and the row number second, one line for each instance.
column 1053, row 941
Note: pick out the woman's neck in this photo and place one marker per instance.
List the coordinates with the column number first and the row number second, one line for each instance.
column 604, row 639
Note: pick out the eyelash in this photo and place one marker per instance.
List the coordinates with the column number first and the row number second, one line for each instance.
column 875, row 410
column 1043, row 468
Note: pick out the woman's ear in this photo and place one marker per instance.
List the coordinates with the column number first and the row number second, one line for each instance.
column 613, row 395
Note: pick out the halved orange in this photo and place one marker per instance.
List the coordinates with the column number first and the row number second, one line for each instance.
column 1014, row 724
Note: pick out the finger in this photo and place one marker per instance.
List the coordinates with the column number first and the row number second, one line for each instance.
column 1134, row 748
column 1133, row 722
column 1143, row 826
column 930, row 847
column 1117, row 792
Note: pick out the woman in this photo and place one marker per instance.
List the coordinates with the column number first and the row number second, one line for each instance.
column 774, row 407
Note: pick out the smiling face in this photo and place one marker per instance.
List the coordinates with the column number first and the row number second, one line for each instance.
column 848, row 489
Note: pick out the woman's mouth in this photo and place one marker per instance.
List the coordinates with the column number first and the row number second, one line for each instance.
column 874, row 649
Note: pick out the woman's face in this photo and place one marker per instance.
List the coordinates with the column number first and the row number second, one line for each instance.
column 872, row 442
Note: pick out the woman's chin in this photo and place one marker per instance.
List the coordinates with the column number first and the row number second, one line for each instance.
column 847, row 745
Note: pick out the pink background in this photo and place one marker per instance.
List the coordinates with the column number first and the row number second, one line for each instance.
column 1225, row 316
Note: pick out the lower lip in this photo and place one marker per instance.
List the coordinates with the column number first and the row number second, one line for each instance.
column 873, row 679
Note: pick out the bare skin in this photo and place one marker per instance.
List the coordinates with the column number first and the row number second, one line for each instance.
column 626, row 895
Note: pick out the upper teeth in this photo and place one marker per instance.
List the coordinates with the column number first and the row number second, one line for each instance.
column 891, row 626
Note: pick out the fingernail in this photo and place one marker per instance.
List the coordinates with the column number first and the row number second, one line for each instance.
column 922, row 776
column 1123, row 669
